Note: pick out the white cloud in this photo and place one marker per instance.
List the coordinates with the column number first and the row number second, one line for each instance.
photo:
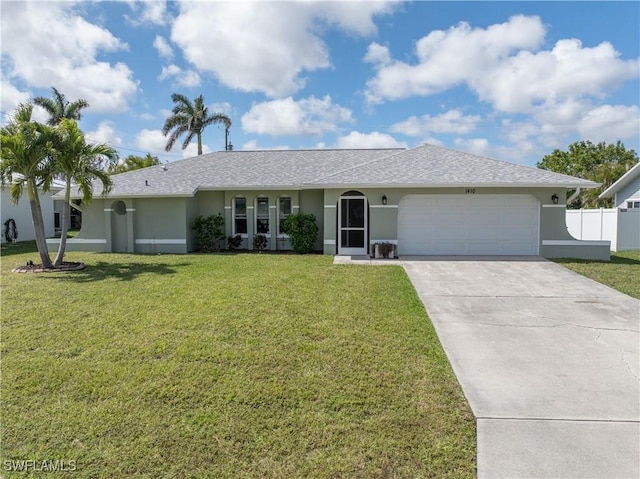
column 105, row 133
column 266, row 46
column 64, row 54
column 377, row 54
column 163, row 47
column 186, row 78
column 152, row 141
column 375, row 139
column 448, row 58
column 502, row 65
column 253, row 145
column 10, row 98
column 309, row 116
column 148, row 12
column 452, row 121
column 192, row 150
column 610, row 123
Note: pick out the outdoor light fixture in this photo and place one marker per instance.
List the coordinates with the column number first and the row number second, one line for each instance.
column 554, row 198
column 384, row 199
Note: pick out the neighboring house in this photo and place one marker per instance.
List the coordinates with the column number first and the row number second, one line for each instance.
column 20, row 213
column 621, row 224
column 426, row 200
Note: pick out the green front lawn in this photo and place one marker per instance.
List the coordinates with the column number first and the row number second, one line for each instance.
column 621, row 273
column 226, row 366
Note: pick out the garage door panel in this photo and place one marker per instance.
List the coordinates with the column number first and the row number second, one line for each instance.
column 468, row 225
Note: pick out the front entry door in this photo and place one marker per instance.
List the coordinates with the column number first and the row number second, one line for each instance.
column 352, row 221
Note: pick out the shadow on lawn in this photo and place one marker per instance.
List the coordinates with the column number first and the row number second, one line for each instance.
column 614, row 260
column 120, row 271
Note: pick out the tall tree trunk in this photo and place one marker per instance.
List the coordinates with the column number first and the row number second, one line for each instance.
column 38, row 224
column 199, row 143
column 66, row 213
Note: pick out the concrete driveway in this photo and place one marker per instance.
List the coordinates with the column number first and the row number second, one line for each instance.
column 548, row 360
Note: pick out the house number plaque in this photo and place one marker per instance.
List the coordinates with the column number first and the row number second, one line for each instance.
column 470, row 191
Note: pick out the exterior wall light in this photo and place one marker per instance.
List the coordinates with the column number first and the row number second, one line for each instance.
column 554, row 198
column 384, row 199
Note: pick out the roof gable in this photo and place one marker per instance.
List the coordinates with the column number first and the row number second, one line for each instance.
column 623, row 181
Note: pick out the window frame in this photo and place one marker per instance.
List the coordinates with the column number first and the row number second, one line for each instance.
column 633, row 204
column 257, row 216
column 279, row 212
column 235, row 216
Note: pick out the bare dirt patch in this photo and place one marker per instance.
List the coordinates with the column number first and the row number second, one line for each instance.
column 66, row 266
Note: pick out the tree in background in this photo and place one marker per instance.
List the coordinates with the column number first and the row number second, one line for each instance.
column 79, row 163
column 26, row 162
column 133, row 162
column 59, row 107
column 602, row 163
column 192, row 119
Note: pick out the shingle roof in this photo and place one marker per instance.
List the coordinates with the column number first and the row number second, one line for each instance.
column 423, row 166
column 433, row 166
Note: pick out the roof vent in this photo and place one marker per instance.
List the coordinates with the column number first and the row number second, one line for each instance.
column 146, row 182
column 164, row 167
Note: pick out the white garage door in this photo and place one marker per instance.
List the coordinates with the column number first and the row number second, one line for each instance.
column 468, row 225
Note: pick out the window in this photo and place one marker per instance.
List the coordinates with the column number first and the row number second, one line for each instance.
column 633, row 204
column 239, row 216
column 262, row 216
column 284, row 210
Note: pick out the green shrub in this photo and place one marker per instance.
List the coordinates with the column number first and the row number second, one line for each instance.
column 234, row 242
column 259, row 242
column 303, row 232
column 209, row 231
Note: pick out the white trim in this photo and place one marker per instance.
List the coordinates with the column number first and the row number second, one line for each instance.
column 227, row 207
column 330, row 206
column 383, row 206
column 108, row 209
column 161, row 241
column 554, row 206
column 329, row 242
column 249, row 207
column 574, row 243
column 295, row 207
column 130, row 209
column 78, row 241
column 282, row 236
column 372, row 242
column 272, row 207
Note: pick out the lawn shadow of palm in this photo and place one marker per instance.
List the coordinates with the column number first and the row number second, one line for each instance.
column 103, row 270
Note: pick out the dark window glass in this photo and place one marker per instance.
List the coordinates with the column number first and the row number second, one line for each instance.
column 240, row 216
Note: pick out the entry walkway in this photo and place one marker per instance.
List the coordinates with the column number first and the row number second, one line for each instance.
column 548, row 360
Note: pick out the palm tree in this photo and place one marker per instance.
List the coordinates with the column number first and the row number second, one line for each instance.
column 78, row 162
column 133, row 162
column 25, row 161
column 59, row 107
column 190, row 118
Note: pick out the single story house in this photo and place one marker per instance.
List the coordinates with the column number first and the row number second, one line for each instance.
column 621, row 224
column 426, row 200
column 20, row 213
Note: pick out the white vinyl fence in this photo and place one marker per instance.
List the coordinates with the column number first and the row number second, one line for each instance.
column 618, row 225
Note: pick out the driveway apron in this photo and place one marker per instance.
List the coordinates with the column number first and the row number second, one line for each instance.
column 547, row 359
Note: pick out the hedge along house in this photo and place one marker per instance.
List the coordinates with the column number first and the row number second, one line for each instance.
column 426, row 200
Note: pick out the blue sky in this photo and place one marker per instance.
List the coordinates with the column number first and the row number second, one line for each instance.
column 509, row 80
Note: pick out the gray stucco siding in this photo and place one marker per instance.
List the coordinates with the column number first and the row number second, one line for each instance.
column 160, row 225
column 312, row 201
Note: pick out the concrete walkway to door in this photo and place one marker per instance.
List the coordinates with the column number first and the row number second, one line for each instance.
column 548, row 360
